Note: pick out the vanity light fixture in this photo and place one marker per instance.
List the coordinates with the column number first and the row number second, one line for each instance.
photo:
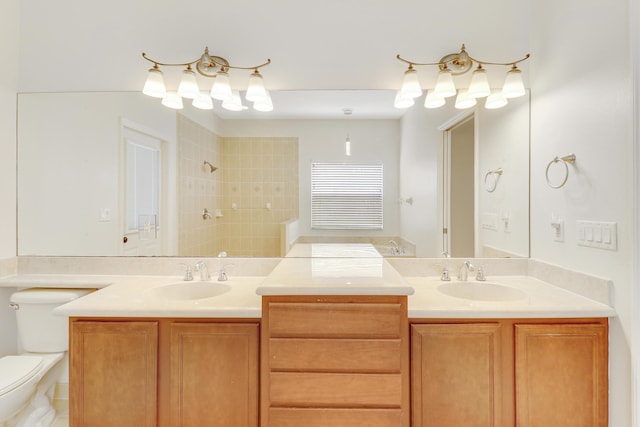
column 216, row 68
column 455, row 64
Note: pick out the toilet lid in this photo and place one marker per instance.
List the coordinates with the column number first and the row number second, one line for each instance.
column 16, row 370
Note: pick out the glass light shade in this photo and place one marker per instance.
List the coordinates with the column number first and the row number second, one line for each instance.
column 463, row 101
column 347, row 146
column 172, row 100
column 479, row 86
column 203, row 102
column 256, row 90
column 263, row 104
column 188, row 87
column 154, row 85
column 495, row 100
column 445, row 87
column 432, row 100
column 234, row 103
column 400, row 102
column 410, row 84
column 222, row 87
column 513, row 85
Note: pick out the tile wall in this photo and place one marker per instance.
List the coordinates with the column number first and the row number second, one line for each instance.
column 254, row 189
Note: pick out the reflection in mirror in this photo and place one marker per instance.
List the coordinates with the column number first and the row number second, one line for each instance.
column 254, row 201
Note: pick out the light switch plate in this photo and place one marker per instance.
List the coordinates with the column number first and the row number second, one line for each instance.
column 105, row 214
column 598, row 234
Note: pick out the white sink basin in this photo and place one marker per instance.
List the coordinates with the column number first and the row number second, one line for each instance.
column 191, row 290
column 481, row 291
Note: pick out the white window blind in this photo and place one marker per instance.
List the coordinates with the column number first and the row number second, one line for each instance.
column 346, row 196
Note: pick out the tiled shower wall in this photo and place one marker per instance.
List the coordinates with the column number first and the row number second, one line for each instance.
column 254, row 189
column 198, row 189
column 260, row 191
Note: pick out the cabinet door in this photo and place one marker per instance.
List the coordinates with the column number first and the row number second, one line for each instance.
column 113, row 370
column 456, row 375
column 561, row 375
column 214, row 374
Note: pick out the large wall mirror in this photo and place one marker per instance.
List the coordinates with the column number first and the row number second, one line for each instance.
column 113, row 174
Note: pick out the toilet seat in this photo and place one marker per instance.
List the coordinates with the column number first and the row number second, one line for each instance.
column 17, row 370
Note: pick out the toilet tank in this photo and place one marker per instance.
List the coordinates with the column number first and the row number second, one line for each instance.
column 39, row 329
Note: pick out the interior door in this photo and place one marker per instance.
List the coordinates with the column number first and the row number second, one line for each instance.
column 458, row 166
column 143, row 207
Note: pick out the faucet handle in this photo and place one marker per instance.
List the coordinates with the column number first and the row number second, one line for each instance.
column 480, row 275
column 187, row 274
column 222, row 275
column 446, row 277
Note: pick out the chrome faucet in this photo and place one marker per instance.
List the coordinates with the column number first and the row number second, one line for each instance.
column 463, row 273
column 396, row 249
column 204, row 271
column 222, row 275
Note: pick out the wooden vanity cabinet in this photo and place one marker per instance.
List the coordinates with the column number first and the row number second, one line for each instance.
column 334, row 361
column 113, row 373
column 507, row 373
column 163, row 372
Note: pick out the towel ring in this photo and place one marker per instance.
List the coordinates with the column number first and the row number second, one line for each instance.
column 496, row 173
column 569, row 158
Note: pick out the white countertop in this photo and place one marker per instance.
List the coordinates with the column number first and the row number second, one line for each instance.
column 532, row 298
column 334, row 276
column 145, row 296
column 138, row 296
column 333, row 250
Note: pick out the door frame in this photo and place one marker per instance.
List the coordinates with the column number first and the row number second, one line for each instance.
column 444, row 176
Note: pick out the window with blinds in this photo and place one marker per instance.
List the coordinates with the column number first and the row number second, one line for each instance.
column 346, row 196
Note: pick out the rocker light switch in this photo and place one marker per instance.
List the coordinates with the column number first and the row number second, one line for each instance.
column 598, row 234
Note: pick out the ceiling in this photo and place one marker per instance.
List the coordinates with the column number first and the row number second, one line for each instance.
column 347, row 47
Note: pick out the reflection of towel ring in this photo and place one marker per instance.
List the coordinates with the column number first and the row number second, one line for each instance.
column 569, row 158
column 496, row 173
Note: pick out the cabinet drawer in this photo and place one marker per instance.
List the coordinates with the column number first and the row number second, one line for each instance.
column 285, row 417
column 335, row 355
column 335, row 390
column 325, row 320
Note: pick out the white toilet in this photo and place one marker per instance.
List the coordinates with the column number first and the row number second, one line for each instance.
column 27, row 381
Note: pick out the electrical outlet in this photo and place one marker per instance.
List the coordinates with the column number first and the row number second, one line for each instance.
column 558, row 230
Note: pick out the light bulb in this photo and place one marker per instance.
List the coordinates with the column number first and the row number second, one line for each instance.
column 410, row 84
column 479, row 86
column 432, row 100
column 154, row 85
column 401, row 103
column 445, row 87
column 172, row 100
column 347, row 146
column 222, row 87
column 188, row 87
column 495, row 100
column 256, row 90
column 513, row 86
column 203, row 101
column 463, row 101
column 234, row 103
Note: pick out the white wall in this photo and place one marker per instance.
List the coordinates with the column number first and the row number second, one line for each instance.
column 372, row 141
column 75, row 138
column 419, row 179
column 503, row 142
column 9, row 19
column 582, row 103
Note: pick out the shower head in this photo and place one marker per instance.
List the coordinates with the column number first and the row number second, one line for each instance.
column 211, row 167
